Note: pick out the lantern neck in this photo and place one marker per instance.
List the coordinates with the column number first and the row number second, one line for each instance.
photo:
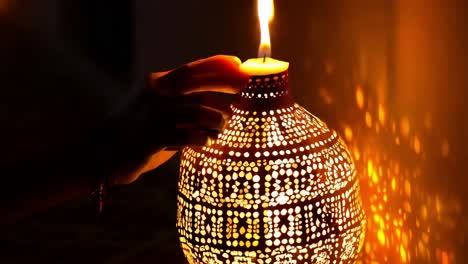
column 265, row 92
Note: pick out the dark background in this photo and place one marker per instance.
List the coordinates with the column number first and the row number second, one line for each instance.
column 407, row 57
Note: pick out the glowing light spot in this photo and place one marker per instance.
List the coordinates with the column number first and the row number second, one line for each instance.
column 381, row 114
column 403, row 255
column 407, row 206
column 375, row 177
column 404, row 127
column 368, row 119
column 370, row 167
column 397, row 141
column 438, row 205
column 359, row 97
column 356, row 153
column 282, row 199
column 444, row 257
column 348, row 133
column 407, row 188
column 367, row 248
column 381, row 237
column 393, row 127
column 424, row 212
column 377, row 218
column 404, row 239
column 393, row 184
column 417, row 145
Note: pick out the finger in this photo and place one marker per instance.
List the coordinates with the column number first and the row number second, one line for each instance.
column 214, row 60
column 199, row 118
column 204, row 65
column 216, row 74
column 215, row 64
column 156, row 160
column 157, row 75
column 215, row 101
column 151, row 163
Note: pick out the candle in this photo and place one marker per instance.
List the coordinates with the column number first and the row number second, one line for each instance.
column 264, row 66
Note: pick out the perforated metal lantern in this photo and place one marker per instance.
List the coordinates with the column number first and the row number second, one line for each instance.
column 277, row 186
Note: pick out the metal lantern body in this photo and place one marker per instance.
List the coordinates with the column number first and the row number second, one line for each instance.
column 277, row 186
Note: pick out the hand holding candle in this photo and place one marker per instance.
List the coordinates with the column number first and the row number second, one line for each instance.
column 181, row 107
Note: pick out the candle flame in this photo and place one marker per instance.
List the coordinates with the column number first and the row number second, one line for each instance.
column 266, row 13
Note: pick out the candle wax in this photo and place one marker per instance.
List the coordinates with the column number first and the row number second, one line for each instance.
column 260, row 66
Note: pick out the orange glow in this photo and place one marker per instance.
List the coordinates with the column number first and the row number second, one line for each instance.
column 368, row 119
column 407, row 187
column 370, row 168
column 404, row 258
column 381, row 237
column 325, row 95
column 404, row 126
column 397, row 141
column 359, row 97
column 357, row 154
column 267, row 66
column 348, row 133
column 266, row 13
column 4, row 5
column 444, row 258
column 424, row 212
column 445, row 148
column 381, row 114
column 417, row 145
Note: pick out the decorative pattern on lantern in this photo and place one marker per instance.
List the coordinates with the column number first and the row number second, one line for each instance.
column 277, row 186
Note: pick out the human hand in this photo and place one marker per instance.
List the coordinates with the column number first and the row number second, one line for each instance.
column 187, row 106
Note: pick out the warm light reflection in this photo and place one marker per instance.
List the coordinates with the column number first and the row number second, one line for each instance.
column 4, row 5
column 360, row 97
column 407, row 223
column 266, row 13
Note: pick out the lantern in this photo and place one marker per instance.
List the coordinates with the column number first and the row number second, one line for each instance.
column 277, row 186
